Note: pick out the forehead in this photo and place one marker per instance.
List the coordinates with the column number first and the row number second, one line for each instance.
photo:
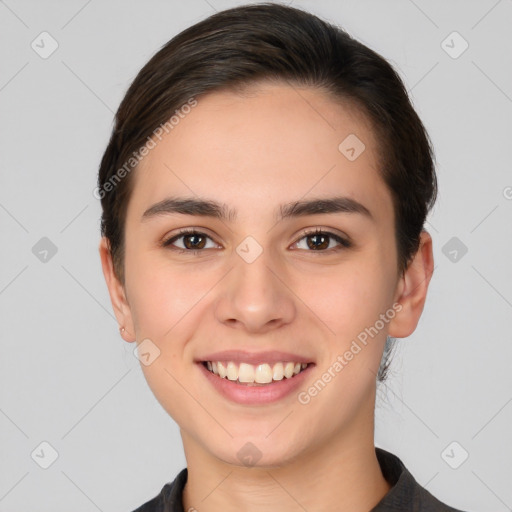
column 271, row 143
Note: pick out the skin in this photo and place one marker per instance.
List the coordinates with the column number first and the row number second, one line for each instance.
column 273, row 145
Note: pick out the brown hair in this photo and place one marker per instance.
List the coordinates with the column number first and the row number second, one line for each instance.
column 271, row 42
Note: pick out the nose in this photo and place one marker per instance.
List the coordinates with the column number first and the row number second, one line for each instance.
column 255, row 297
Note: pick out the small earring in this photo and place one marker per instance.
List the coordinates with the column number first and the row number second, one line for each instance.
column 121, row 330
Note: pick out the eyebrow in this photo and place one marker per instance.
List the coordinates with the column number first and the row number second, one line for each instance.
column 211, row 208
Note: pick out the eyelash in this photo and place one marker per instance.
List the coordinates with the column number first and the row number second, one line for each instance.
column 344, row 243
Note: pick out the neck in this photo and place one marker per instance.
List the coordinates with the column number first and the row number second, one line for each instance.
column 343, row 473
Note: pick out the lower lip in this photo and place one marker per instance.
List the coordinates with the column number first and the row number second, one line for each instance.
column 254, row 395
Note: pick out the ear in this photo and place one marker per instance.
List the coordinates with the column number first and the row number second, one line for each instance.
column 116, row 291
column 411, row 291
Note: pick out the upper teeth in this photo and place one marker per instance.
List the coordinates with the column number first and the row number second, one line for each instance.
column 261, row 373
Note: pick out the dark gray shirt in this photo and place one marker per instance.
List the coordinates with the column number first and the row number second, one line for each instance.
column 405, row 495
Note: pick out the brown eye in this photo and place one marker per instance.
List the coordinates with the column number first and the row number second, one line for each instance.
column 323, row 240
column 188, row 241
column 194, row 241
column 318, row 241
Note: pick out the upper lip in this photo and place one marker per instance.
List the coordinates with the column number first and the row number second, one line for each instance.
column 241, row 356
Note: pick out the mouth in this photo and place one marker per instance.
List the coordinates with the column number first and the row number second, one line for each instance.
column 255, row 378
column 263, row 374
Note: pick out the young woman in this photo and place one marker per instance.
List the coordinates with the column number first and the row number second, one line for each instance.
column 264, row 194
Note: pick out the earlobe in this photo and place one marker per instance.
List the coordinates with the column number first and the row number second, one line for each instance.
column 412, row 289
column 117, row 292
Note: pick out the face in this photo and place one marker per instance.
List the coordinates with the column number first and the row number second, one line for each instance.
column 291, row 260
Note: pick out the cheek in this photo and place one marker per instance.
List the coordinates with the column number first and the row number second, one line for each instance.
column 348, row 298
column 163, row 294
column 165, row 308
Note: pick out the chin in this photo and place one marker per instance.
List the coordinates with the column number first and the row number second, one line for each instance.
column 254, row 451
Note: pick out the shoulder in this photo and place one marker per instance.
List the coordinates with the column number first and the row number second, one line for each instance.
column 406, row 494
column 169, row 498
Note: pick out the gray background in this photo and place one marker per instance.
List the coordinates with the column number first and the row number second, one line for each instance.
column 68, row 379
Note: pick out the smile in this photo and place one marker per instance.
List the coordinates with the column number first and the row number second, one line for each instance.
column 249, row 374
